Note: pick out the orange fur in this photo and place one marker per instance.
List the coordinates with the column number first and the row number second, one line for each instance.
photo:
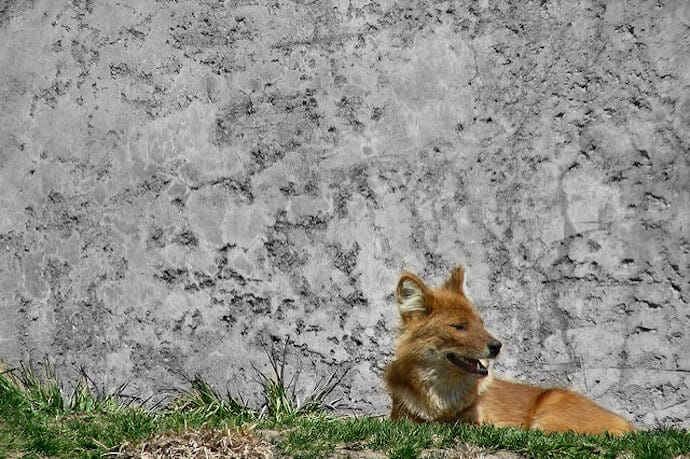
column 437, row 374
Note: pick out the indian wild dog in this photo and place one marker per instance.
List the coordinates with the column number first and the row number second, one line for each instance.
column 439, row 370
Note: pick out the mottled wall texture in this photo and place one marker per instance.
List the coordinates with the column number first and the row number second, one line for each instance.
column 185, row 183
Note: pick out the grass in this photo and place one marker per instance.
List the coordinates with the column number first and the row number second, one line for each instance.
column 311, row 436
column 36, row 420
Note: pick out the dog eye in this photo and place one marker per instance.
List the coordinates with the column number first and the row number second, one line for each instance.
column 458, row 327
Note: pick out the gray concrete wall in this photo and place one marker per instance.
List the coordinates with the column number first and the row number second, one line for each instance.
column 184, row 183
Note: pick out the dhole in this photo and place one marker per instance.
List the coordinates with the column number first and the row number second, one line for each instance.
column 439, row 370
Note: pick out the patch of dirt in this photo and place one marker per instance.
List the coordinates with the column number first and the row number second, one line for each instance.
column 356, row 450
column 462, row 451
column 467, row 451
column 203, row 443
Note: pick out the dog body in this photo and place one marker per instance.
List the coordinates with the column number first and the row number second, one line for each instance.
column 439, row 371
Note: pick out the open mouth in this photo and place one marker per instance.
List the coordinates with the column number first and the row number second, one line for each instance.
column 472, row 366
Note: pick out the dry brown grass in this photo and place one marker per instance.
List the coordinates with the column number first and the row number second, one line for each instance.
column 467, row 451
column 204, row 443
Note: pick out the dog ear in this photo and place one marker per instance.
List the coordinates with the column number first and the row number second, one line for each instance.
column 411, row 295
column 456, row 281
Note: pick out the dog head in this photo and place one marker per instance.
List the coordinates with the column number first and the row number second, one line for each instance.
column 443, row 325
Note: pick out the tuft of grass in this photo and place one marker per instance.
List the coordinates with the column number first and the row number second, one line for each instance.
column 282, row 400
column 202, row 405
column 42, row 392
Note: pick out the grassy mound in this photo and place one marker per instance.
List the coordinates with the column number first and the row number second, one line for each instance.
column 36, row 419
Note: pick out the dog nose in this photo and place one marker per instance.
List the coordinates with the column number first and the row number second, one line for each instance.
column 494, row 348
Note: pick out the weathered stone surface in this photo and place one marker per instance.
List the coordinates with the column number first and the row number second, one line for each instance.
column 183, row 184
